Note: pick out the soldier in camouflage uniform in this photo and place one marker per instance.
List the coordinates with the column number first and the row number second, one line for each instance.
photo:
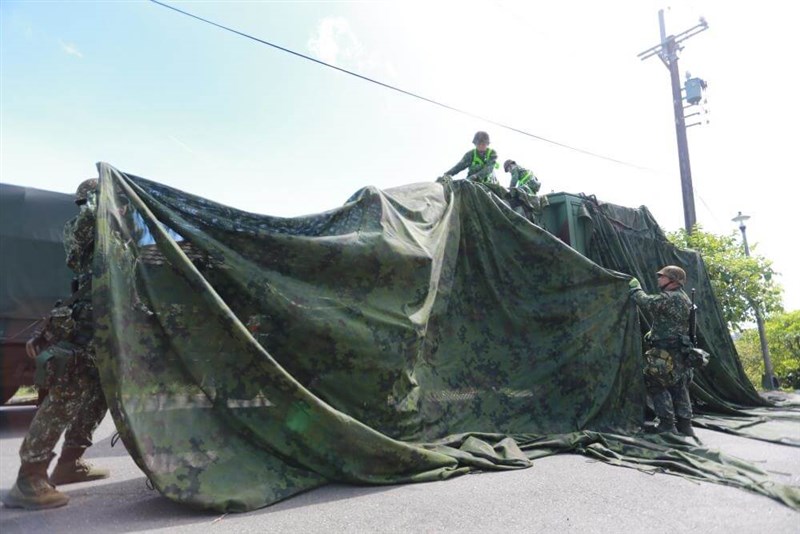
column 74, row 404
column 522, row 190
column 521, row 178
column 667, row 372
column 481, row 161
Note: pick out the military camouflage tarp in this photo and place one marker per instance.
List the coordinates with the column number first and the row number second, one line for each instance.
column 410, row 335
column 630, row 240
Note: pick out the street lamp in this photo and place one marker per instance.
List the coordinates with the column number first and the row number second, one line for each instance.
column 768, row 379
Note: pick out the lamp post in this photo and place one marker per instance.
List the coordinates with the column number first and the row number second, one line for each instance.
column 767, row 380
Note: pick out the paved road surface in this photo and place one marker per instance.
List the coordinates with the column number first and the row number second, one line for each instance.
column 564, row 493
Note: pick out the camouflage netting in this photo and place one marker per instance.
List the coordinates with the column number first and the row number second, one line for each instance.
column 630, row 241
column 411, row 335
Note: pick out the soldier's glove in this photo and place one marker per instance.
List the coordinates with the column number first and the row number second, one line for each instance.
column 444, row 179
column 634, row 285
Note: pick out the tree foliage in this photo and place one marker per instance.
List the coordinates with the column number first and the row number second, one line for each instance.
column 740, row 282
column 783, row 338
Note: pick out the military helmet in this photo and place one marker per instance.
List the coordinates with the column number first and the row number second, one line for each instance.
column 674, row 273
column 480, row 137
column 86, row 188
column 508, row 163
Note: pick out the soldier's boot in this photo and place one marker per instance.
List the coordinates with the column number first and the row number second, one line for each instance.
column 33, row 491
column 71, row 468
column 665, row 426
column 685, row 427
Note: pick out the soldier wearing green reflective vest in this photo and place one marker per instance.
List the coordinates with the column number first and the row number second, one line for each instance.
column 522, row 191
column 521, row 178
column 481, row 161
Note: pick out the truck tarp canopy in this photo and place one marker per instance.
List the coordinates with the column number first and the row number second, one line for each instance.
column 32, row 274
column 411, row 335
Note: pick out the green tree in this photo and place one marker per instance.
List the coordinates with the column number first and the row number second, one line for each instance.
column 783, row 338
column 740, row 282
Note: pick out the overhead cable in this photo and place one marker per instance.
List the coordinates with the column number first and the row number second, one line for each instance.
column 393, row 88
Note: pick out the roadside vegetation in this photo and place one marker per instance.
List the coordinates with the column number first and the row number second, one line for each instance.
column 783, row 338
column 741, row 284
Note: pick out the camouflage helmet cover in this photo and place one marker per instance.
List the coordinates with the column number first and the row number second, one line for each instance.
column 508, row 163
column 480, row 137
column 85, row 188
column 674, row 273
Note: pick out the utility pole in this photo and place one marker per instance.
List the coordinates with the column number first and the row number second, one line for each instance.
column 667, row 51
column 768, row 380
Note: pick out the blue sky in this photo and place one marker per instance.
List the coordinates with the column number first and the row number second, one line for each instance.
column 160, row 95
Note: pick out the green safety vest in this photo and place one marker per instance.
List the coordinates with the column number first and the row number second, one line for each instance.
column 524, row 180
column 477, row 161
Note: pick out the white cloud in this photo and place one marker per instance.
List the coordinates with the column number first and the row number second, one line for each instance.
column 70, row 49
column 334, row 42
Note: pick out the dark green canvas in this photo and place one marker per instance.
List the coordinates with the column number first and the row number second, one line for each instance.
column 410, row 335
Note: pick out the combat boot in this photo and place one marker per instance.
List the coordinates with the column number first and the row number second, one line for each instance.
column 71, row 468
column 665, row 426
column 32, row 490
column 685, row 427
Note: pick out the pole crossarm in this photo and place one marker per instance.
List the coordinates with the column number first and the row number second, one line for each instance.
column 672, row 41
column 667, row 51
column 702, row 26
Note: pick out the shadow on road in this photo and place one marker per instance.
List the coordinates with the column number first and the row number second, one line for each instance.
column 130, row 506
column 14, row 420
column 124, row 506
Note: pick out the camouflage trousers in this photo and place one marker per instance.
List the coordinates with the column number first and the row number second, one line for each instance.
column 75, row 405
column 672, row 401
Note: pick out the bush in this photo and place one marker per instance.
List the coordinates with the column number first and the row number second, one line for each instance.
column 783, row 339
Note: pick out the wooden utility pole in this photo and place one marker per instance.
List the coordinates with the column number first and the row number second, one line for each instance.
column 667, row 51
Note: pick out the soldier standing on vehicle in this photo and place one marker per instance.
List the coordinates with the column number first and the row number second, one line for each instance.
column 74, row 404
column 481, row 161
column 521, row 178
column 522, row 191
column 667, row 372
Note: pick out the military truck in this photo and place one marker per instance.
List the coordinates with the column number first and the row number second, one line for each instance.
column 33, row 273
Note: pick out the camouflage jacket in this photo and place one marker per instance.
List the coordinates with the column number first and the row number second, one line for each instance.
column 481, row 166
column 79, row 241
column 523, row 179
column 670, row 312
column 74, row 323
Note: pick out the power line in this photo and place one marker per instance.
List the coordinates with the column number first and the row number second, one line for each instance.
column 393, row 88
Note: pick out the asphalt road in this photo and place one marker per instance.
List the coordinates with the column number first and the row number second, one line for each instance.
column 564, row 493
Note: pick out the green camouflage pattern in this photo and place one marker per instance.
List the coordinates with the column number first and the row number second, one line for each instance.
column 665, row 371
column 79, row 240
column 525, row 180
column 659, row 367
column 670, row 313
column 411, row 335
column 480, row 166
column 671, row 400
column 630, row 240
column 74, row 404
